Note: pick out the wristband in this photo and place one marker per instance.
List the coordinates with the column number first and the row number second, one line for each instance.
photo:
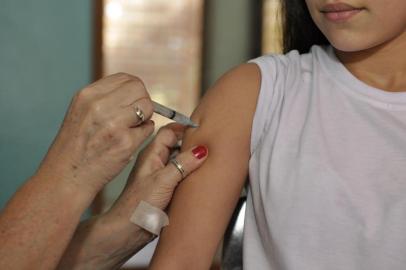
column 149, row 218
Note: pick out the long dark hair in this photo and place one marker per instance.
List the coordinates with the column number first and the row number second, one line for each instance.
column 299, row 30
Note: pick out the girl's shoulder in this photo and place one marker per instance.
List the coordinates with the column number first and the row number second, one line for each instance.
column 283, row 76
column 290, row 64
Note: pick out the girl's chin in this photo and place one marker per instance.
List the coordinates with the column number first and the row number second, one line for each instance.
column 351, row 45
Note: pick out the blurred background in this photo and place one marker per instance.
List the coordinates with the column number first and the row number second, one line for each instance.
column 49, row 49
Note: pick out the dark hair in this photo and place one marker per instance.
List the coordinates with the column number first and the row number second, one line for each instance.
column 299, row 30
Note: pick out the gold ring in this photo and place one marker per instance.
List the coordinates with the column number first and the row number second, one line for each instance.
column 140, row 114
column 178, row 166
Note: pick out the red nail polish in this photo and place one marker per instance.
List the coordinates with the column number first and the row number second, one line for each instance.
column 199, row 152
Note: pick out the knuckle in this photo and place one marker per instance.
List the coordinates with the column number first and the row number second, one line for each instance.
column 167, row 134
column 130, row 79
column 138, row 86
column 156, row 162
column 135, row 79
column 82, row 95
column 123, row 76
column 112, row 127
column 96, row 107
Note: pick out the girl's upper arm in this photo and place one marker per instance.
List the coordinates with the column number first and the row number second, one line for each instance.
column 203, row 203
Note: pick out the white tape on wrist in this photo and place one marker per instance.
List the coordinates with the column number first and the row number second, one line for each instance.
column 149, row 218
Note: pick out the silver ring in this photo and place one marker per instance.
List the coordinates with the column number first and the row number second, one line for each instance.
column 178, row 166
column 139, row 113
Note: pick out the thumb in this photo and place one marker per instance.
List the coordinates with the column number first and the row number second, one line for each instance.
column 183, row 164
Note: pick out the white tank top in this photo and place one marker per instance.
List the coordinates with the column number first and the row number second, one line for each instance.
column 327, row 169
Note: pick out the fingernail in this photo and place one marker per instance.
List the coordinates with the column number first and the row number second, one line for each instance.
column 199, row 152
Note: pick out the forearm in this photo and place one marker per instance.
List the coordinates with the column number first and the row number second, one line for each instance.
column 38, row 223
column 103, row 243
column 199, row 214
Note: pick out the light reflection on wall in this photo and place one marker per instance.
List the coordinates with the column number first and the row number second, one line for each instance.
column 272, row 27
column 159, row 41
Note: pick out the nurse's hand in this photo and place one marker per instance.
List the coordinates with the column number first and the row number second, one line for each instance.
column 106, row 122
column 107, row 241
column 100, row 133
column 153, row 178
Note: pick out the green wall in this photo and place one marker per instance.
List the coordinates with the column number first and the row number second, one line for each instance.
column 45, row 56
column 230, row 36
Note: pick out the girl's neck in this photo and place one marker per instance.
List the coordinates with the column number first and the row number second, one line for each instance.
column 382, row 66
